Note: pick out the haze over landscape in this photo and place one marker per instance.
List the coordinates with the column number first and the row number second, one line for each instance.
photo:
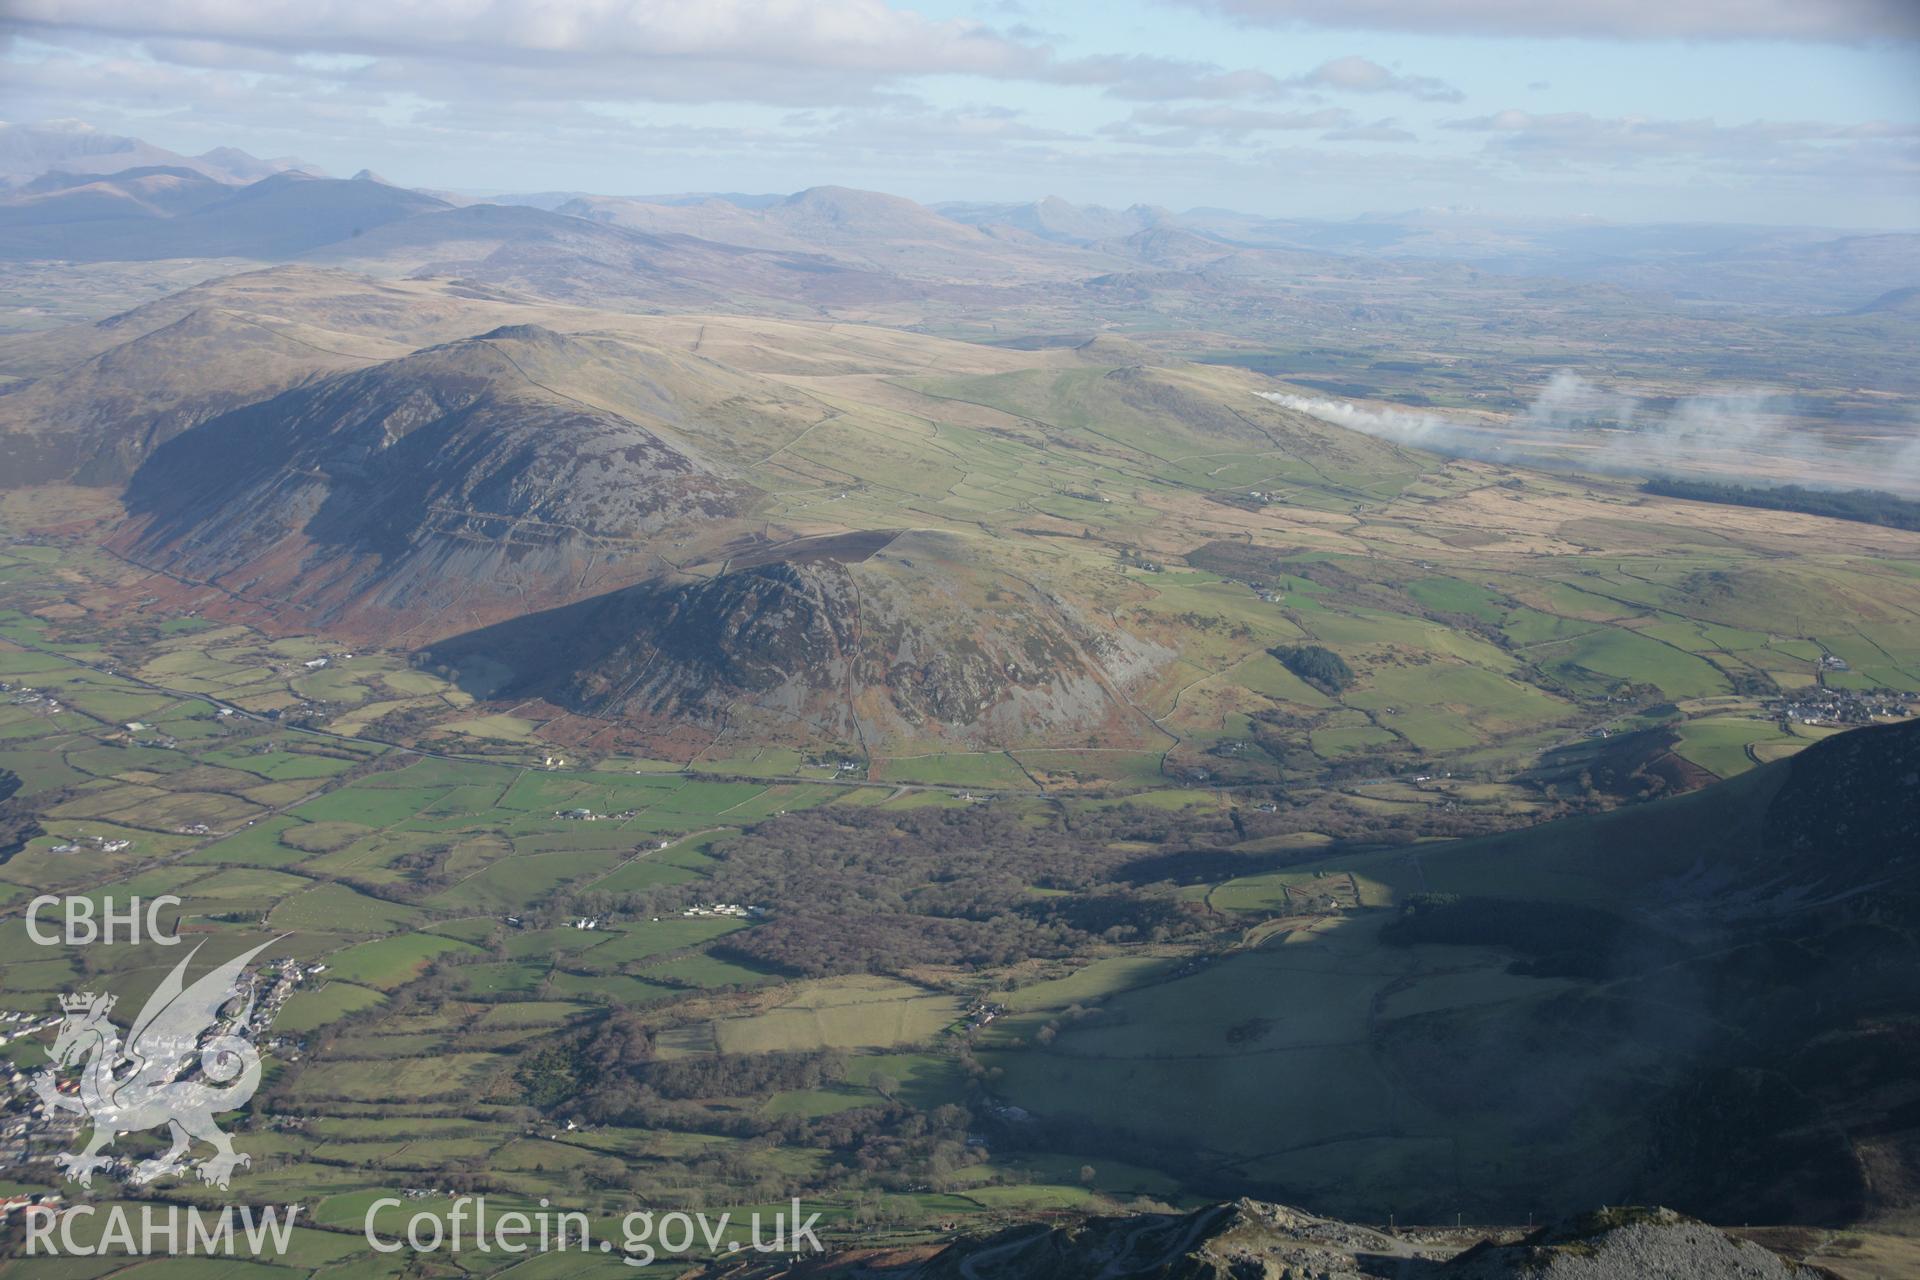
column 1142, row 641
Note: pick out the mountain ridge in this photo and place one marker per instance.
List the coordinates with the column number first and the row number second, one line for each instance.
column 443, row 479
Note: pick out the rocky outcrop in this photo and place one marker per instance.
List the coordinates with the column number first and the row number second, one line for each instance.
column 1626, row 1244
column 891, row 646
column 1251, row 1240
column 1248, row 1240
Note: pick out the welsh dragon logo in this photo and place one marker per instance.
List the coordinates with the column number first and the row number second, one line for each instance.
column 135, row 1086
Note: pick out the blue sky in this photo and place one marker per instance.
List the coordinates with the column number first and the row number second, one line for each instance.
column 1786, row 111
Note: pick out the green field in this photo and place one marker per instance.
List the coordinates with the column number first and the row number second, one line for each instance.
column 391, row 962
column 311, row 1010
column 845, row 1013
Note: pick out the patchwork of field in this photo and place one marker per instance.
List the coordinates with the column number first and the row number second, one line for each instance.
column 387, row 1076
column 409, row 891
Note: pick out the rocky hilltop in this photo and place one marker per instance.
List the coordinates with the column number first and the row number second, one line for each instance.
column 887, row 633
column 1251, row 1240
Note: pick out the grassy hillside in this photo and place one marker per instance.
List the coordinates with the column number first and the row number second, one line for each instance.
column 1159, row 524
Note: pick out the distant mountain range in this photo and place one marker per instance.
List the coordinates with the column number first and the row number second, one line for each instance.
column 29, row 151
column 1052, row 218
column 169, row 212
column 871, row 256
column 75, row 193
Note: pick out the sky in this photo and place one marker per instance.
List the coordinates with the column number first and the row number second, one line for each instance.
column 1758, row 111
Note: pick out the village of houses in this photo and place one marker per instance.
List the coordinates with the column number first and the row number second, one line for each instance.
column 1819, row 705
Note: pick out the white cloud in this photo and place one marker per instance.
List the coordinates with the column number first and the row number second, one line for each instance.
column 1578, row 126
column 1190, row 126
column 1238, row 120
column 1378, row 131
column 1144, row 77
column 1354, row 74
column 1824, row 21
column 1878, row 148
column 1158, row 79
column 787, row 52
column 866, row 36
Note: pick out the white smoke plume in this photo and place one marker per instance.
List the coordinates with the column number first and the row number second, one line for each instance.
column 1747, row 436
